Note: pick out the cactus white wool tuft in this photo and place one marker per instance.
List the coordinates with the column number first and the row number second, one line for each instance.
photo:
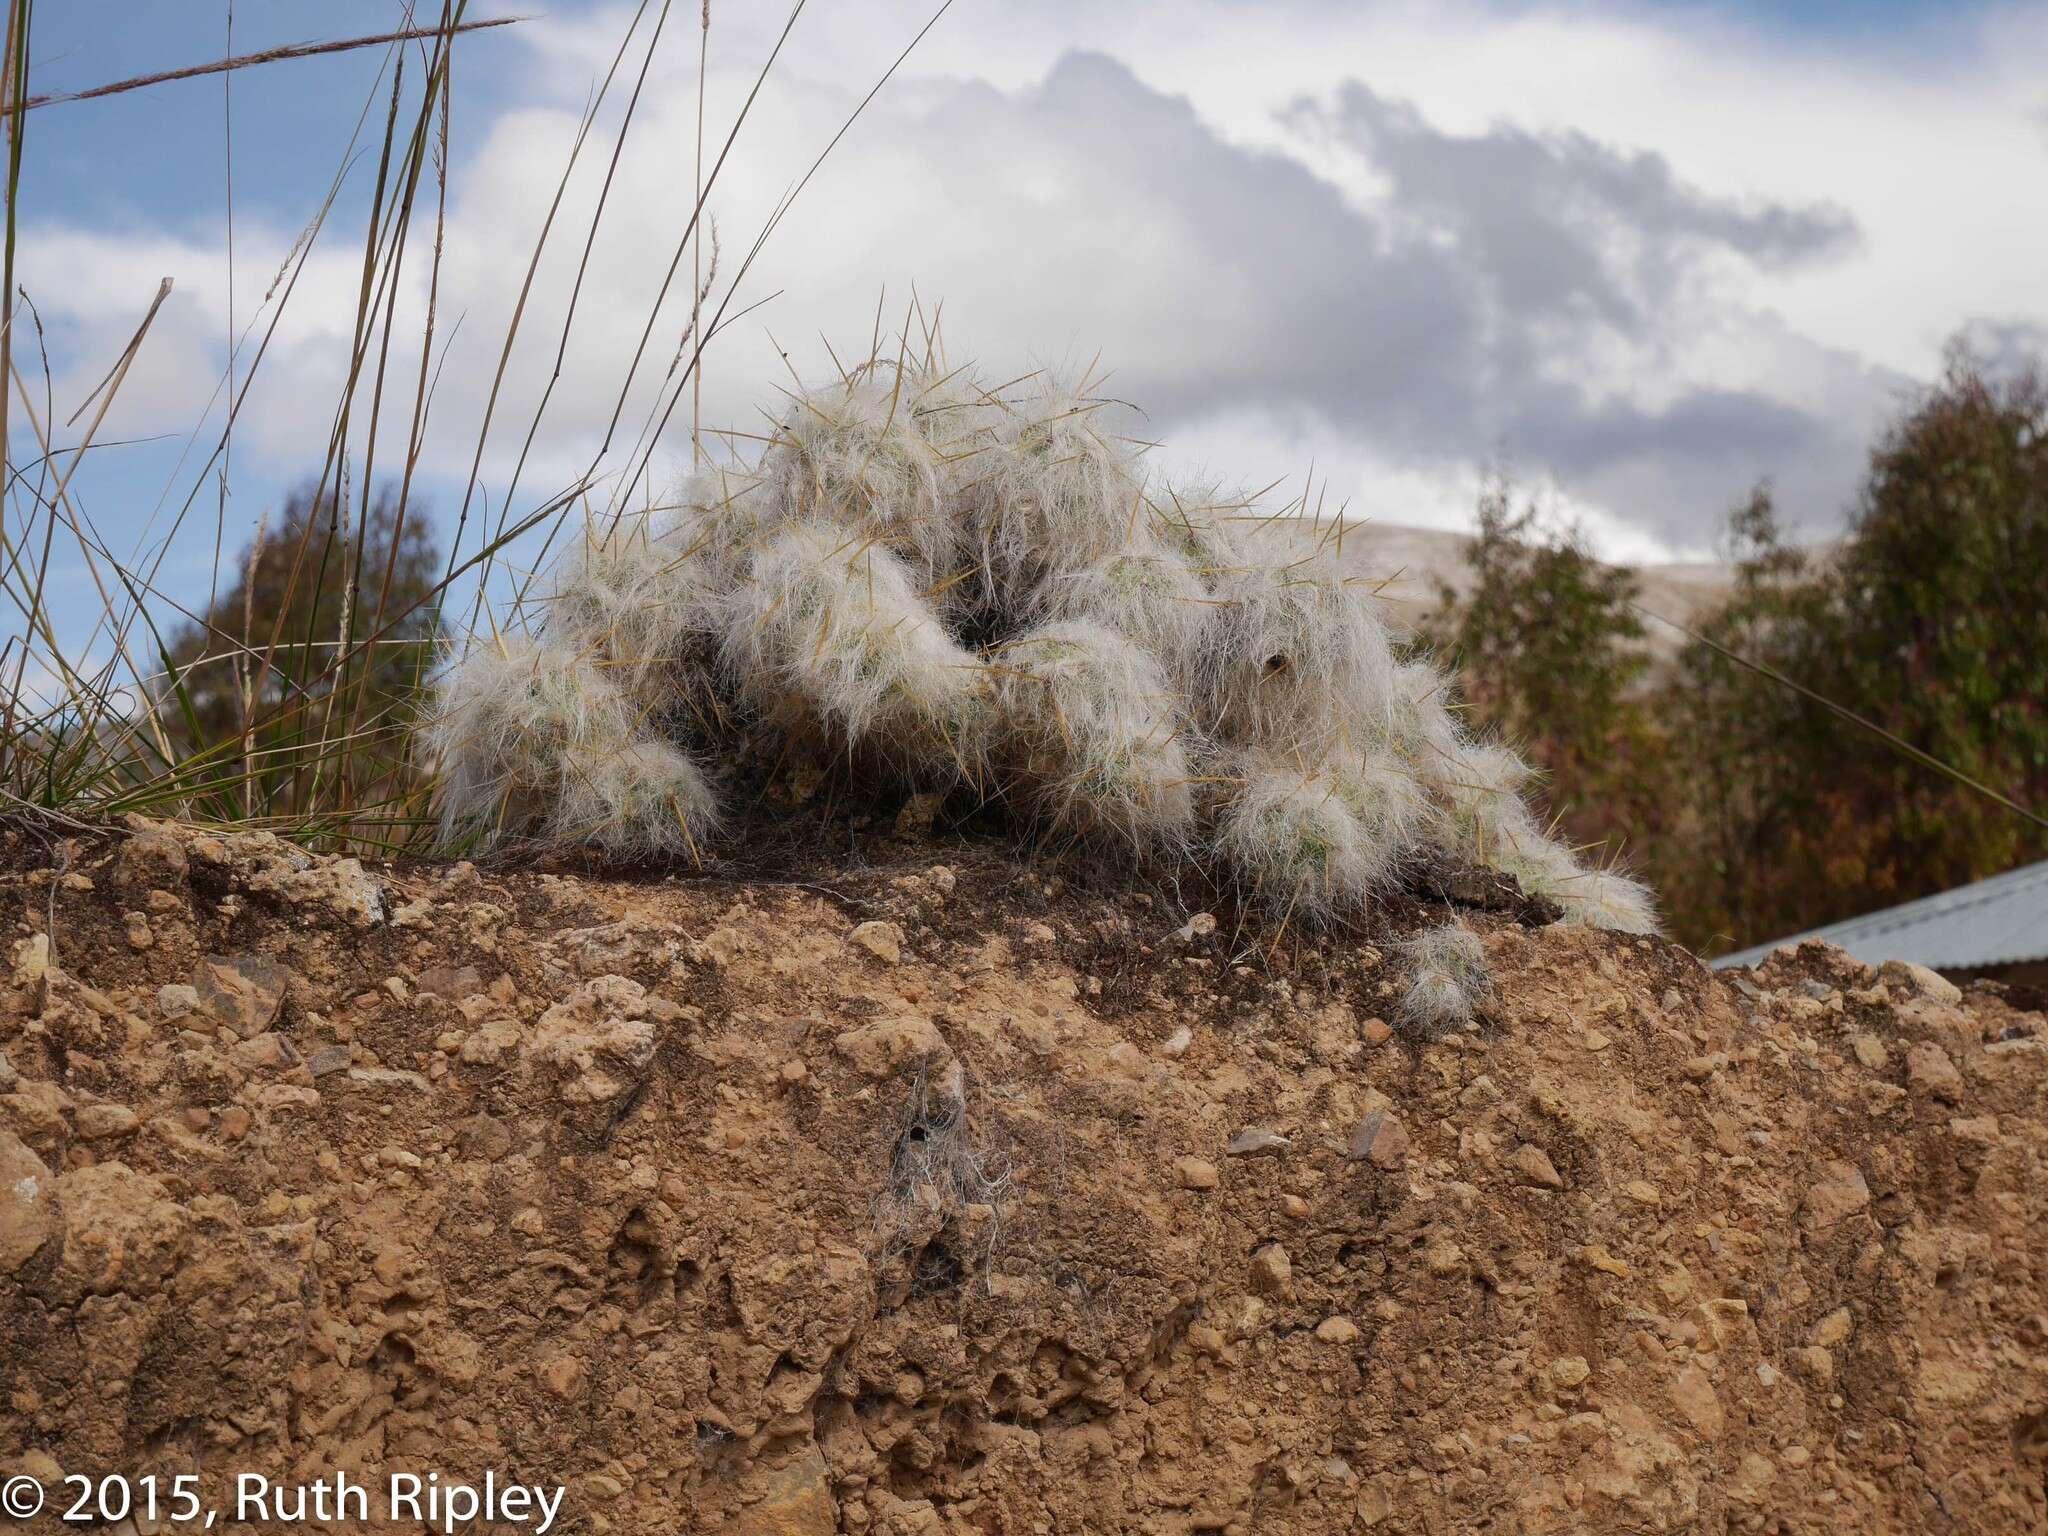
column 982, row 585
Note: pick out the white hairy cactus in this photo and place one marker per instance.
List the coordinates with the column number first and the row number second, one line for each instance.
column 1093, row 731
column 1151, row 592
column 1301, row 842
column 831, row 624
column 1303, row 661
column 855, row 457
column 1049, row 492
column 633, row 799
column 1606, row 898
column 504, row 726
column 953, row 583
column 1448, row 980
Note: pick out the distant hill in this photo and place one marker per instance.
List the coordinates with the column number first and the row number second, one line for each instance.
column 1410, row 561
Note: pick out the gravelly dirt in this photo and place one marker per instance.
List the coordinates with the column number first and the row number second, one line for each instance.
column 895, row 1200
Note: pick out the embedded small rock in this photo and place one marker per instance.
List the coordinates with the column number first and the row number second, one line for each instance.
column 1833, row 1329
column 243, row 992
column 31, row 959
column 151, row 859
column 122, row 1232
column 1257, row 1141
column 1380, row 1139
column 1931, row 985
column 600, row 1038
column 267, row 1052
column 28, row 1205
column 889, row 1047
column 453, row 982
column 883, row 940
column 1272, row 1271
column 1535, row 1167
column 177, row 999
column 798, row 1502
column 1568, row 1373
column 271, row 867
column 1693, row 1394
column 101, row 1122
column 487, row 1044
column 329, row 1058
column 1839, row 1192
column 1929, row 1069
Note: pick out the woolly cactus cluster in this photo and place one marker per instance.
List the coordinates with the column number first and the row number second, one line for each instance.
column 1449, row 980
column 953, row 584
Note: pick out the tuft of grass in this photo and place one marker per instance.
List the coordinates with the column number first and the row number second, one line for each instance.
column 301, row 709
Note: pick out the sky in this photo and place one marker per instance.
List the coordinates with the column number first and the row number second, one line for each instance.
column 1637, row 255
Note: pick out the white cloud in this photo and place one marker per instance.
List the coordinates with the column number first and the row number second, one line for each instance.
column 1730, row 256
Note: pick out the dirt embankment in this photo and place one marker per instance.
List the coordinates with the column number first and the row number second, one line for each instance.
column 928, row 1199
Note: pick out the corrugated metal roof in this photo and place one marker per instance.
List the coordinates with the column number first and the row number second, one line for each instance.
column 2000, row 921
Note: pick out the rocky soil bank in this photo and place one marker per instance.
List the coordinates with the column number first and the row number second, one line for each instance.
column 929, row 1196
